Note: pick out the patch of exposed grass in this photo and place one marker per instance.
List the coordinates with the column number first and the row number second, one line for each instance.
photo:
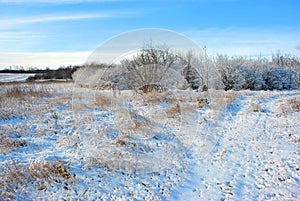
column 22, row 92
column 201, row 102
column 15, row 178
column 102, row 101
column 294, row 104
column 9, row 144
column 173, row 111
column 289, row 106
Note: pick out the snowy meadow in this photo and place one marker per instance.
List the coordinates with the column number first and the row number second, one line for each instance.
column 60, row 141
column 160, row 125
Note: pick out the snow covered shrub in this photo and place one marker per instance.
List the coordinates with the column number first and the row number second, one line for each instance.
column 100, row 76
column 288, row 62
column 153, row 66
column 231, row 71
column 241, row 73
column 253, row 79
column 193, row 77
column 279, row 78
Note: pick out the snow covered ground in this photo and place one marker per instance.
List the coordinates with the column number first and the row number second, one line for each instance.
column 14, row 77
column 61, row 142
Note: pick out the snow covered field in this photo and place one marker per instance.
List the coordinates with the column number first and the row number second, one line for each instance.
column 59, row 142
column 14, row 77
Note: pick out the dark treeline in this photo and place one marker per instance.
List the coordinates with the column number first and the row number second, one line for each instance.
column 22, row 71
column 60, row 73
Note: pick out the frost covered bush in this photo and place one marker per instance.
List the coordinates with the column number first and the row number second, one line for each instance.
column 241, row 73
column 279, row 78
column 193, row 77
column 231, row 71
column 151, row 66
column 101, row 76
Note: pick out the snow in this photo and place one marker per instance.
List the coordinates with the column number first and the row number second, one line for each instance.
column 241, row 146
column 14, row 77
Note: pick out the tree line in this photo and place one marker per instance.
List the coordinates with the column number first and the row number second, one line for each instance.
column 177, row 70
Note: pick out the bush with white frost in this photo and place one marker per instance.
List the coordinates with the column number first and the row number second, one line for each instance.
column 241, row 73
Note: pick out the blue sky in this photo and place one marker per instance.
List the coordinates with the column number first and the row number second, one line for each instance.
column 62, row 32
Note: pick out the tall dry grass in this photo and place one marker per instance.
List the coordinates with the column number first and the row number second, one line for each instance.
column 21, row 92
column 16, row 180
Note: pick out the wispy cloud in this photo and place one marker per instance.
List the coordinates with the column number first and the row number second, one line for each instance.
column 10, row 22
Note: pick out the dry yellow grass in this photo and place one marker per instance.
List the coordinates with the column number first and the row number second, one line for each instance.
column 289, row 106
column 23, row 92
column 102, row 101
column 10, row 144
column 294, row 104
column 40, row 173
column 201, row 102
column 173, row 111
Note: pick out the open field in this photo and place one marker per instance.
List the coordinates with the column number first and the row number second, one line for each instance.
column 59, row 142
column 14, row 77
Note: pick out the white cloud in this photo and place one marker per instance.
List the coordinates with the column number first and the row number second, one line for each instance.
column 42, row 60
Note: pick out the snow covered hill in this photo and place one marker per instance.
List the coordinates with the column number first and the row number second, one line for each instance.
column 60, row 142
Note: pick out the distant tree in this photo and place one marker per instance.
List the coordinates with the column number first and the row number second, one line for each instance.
column 231, row 71
column 191, row 71
column 193, row 77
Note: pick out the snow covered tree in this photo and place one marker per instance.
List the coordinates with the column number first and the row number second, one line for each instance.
column 193, row 77
column 154, row 65
column 231, row 71
column 278, row 78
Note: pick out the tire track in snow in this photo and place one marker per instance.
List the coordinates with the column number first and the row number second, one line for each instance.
column 247, row 160
column 203, row 183
column 261, row 173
